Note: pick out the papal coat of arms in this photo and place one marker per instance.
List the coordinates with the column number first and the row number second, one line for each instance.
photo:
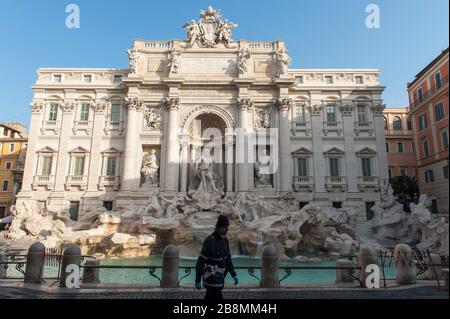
column 210, row 30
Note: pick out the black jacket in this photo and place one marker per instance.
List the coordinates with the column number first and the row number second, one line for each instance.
column 214, row 262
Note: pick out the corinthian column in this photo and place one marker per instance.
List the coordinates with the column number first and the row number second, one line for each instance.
column 130, row 176
column 171, row 174
column 284, row 144
column 242, row 149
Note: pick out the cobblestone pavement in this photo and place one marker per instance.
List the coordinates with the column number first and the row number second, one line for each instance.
column 425, row 292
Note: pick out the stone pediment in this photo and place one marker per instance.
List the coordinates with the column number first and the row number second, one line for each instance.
column 334, row 151
column 47, row 150
column 79, row 150
column 302, row 151
column 366, row 151
column 111, row 150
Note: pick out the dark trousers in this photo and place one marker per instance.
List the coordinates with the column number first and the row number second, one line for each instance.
column 213, row 294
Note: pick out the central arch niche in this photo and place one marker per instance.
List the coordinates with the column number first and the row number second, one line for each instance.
column 206, row 137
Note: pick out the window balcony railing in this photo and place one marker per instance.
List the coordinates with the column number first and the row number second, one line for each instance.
column 303, row 183
column 109, row 181
column 46, row 181
column 363, row 125
column 336, row 180
column 331, row 124
column 427, row 95
column 76, row 181
column 368, row 183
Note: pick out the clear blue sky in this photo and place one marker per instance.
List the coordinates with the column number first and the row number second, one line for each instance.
column 319, row 34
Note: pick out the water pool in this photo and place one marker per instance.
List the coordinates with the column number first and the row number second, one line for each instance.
column 141, row 276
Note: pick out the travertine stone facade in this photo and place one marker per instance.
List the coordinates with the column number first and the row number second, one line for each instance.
column 91, row 129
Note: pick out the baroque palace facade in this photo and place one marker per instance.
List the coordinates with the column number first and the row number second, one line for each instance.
column 114, row 137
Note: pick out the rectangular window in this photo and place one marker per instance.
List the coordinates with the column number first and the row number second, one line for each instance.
column 367, row 167
column 73, row 210
column 117, row 78
column 87, row 78
column 334, row 167
column 111, row 166
column 403, row 172
column 446, row 172
column 420, row 93
column 57, row 78
column 53, row 114
column 299, row 80
column 301, row 119
column 437, row 77
column 390, row 173
column 84, row 112
column 409, row 125
column 337, row 205
column 115, row 113
column 400, row 147
column 2, row 211
column 439, row 111
column 8, row 165
column 359, row 79
column 328, row 79
column 369, row 212
column 12, row 147
column 387, row 148
column 422, row 122
column 108, row 205
column 331, row 113
column 362, row 118
column 5, row 186
column 429, row 176
column 444, row 136
column 303, row 167
column 78, row 168
column 426, row 148
column 47, row 166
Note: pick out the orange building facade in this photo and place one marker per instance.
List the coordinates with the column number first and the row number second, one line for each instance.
column 429, row 112
column 399, row 142
column 13, row 147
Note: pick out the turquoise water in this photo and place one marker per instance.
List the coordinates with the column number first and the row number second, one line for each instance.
column 142, row 276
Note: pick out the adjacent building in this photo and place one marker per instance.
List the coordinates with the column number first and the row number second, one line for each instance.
column 13, row 146
column 429, row 113
column 399, row 142
column 115, row 137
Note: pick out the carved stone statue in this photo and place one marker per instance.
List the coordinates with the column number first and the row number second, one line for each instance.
column 133, row 57
column 207, row 187
column 243, row 60
column 174, row 62
column 262, row 168
column 150, row 169
column 262, row 118
column 204, row 170
column 284, row 61
column 210, row 30
column 152, row 119
column 193, row 30
column 225, row 32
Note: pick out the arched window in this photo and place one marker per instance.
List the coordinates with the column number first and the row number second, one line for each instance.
column 386, row 123
column 397, row 123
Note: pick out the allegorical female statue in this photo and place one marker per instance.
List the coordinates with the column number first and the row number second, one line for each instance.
column 150, row 169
